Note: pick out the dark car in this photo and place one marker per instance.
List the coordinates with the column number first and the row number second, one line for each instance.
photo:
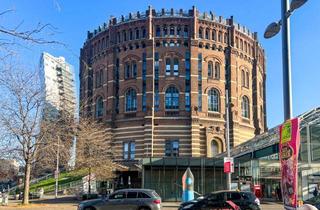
column 315, row 201
column 126, row 199
column 192, row 201
column 218, row 200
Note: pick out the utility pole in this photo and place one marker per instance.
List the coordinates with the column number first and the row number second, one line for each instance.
column 56, row 173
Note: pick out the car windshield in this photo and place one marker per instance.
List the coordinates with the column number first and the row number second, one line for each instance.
column 248, row 196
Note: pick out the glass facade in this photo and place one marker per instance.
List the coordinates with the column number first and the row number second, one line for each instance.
column 165, row 174
column 256, row 162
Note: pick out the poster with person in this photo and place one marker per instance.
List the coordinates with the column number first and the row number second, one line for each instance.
column 289, row 151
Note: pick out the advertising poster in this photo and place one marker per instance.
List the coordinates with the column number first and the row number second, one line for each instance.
column 289, row 151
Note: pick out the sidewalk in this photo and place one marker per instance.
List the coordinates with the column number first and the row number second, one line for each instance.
column 170, row 204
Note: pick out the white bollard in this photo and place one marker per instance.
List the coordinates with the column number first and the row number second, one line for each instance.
column 5, row 199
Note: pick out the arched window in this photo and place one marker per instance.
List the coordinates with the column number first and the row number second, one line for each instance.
column 118, row 37
column 243, row 79
column 185, row 31
column 131, row 100
column 245, row 46
column 213, row 100
column 220, row 36
column 207, row 33
column 247, row 79
column 179, row 31
column 172, row 98
column 175, row 67
column 134, row 69
column 124, row 35
column 214, row 148
column 200, row 33
column 216, row 74
column 168, row 66
column 214, row 35
column 241, row 44
column 137, row 34
column 130, row 35
column 127, row 70
column 225, row 38
column 99, row 107
column 158, row 31
column 171, row 30
column 165, row 30
column 245, row 107
column 237, row 42
column 210, row 69
column 144, row 33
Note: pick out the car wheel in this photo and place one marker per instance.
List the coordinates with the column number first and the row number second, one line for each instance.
column 144, row 208
column 89, row 208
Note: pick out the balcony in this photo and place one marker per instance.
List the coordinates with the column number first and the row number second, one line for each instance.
column 214, row 115
column 130, row 114
column 172, row 113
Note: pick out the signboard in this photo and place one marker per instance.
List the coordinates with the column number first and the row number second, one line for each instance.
column 289, row 151
column 228, row 165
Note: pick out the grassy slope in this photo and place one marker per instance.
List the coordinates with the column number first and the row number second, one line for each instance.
column 64, row 178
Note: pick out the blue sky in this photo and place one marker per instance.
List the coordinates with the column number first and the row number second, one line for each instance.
column 72, row 19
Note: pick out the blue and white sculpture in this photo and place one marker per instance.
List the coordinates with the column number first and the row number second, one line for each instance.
column 187, row 186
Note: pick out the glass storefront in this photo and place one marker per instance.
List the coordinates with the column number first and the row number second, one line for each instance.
column 256, row 163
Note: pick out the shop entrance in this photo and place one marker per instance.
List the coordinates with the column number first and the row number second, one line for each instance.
column 270, row 188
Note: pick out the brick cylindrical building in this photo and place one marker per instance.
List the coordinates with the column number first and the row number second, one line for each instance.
column 158, row 81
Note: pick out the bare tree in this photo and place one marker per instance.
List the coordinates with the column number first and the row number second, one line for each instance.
column 55, row 152
column 20, row 116
column 94, row 150
column 13, row 35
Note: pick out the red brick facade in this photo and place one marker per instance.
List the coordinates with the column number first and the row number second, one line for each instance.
column 208, row 40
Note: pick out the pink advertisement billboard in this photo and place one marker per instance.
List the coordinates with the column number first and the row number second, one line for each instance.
column 289, row 151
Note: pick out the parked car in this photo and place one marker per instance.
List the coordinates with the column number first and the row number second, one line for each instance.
column 219, row 200
column 315, row 201
column 125, row 199
column 193, row 201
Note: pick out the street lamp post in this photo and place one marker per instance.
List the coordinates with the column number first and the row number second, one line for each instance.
column 271, row 31
column 228, row 138
column 286, row 61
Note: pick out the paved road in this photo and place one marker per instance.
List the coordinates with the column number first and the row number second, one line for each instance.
column 69, row 203
column 264, row 206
